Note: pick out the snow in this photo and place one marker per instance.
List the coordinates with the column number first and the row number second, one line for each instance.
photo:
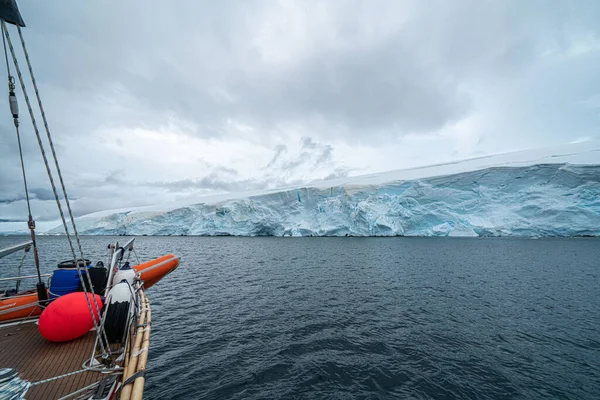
column 544, row 192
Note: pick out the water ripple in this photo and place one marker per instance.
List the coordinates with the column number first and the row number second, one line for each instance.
column 256, row 318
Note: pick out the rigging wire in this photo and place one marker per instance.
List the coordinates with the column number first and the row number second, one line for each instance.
column 95, row 317
column 51, row 142
column 6, row 55
column 136, row 256
column 19, row 269
column 14, row 109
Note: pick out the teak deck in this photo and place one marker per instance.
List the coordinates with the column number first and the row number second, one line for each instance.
column 23, row 348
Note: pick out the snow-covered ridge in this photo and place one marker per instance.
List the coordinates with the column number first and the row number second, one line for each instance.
column 546, row 192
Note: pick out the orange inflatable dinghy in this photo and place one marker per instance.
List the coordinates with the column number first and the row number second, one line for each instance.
column 152, row 271
column 22, row 306
column 26, row 304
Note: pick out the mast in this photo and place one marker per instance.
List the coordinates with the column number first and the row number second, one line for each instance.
column 9, row 12
column 14, row 109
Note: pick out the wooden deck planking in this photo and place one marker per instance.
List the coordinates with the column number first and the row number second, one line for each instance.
column 23, row 348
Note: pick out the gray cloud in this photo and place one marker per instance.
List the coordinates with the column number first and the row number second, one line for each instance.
column 364, row 71
column 355, row 85
column 280, row 151
column 91, row 195
column 313, row 155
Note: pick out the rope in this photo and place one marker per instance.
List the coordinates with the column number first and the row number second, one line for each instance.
column 140, row 351
column 5, row 54
column 15, row 388
column 60, row 178
column 14, row 109
column 84, row 389
column 48, row 170
column 55, row 378
column 23, row 168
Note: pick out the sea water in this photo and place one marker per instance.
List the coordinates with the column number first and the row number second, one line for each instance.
column 367, row 318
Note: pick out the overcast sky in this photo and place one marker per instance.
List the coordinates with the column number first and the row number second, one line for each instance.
column 156, row 101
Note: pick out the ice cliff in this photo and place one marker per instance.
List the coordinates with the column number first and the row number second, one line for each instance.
column 538, row 200
column 550, row 192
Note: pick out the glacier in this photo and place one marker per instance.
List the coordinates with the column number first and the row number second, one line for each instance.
column 526, row 194
column 541, row 200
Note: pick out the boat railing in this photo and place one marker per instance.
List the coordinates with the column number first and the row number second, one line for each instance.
column 116, row 253
column 18, row 278
column 10, row 250
column 116, row 257
column 13, row 249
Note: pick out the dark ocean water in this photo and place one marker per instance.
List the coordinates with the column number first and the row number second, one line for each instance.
column 337, row 318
